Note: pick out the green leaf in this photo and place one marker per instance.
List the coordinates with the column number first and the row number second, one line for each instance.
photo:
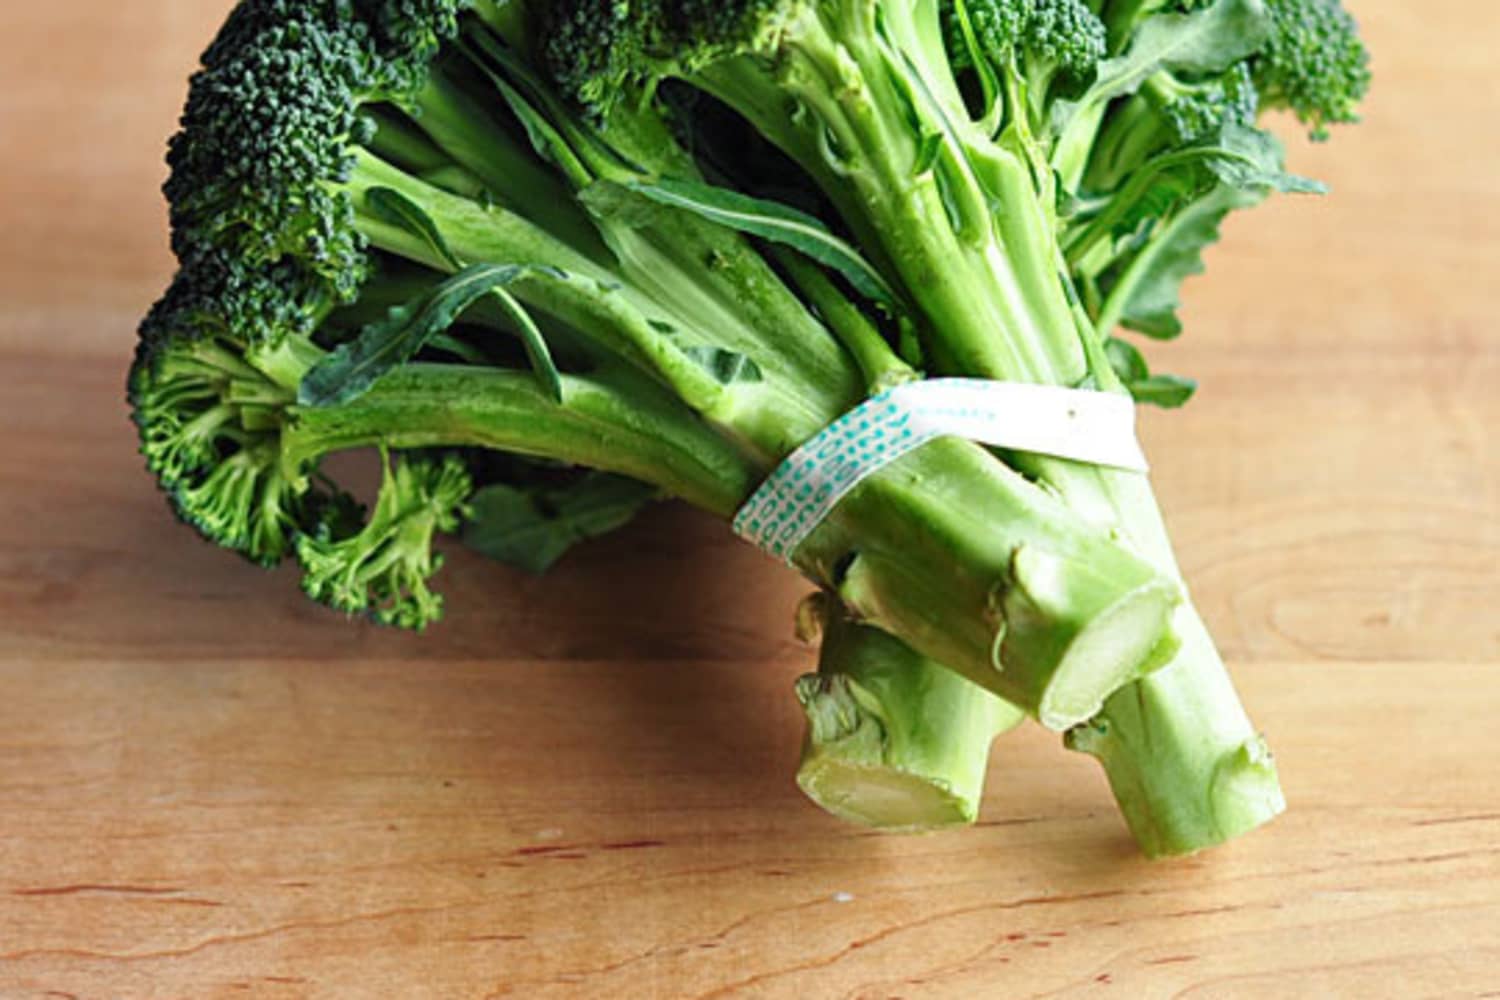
column 1126, row 359
column 554, row 132
column 548, row 141
column 397, row 209
column 727, row 367
column 459, row 349
column 1206, row 42
column 348, row 372
column 531, row 527
column 1171, row 257
column 1238, row 157
column 775, row 222
column 537, row 352
column 1257, row 161
column 928, row 151
column 1191, row 210
column 1166, row 391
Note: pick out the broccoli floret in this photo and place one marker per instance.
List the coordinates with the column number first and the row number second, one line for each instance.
column 1067, row 33
column 209, row 408
column 1038, row 40
column 382, row 571
column 239, row 457
column 997, row 27
column 1169, row 112
column 1314, row 64
column 598, row 50
column 302, row 113
column 419, row 193
column 1199, row 109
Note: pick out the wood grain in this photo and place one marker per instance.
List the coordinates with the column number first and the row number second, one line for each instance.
column 580, row 786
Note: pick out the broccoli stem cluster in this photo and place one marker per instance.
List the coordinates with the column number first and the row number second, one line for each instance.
column 670, row 242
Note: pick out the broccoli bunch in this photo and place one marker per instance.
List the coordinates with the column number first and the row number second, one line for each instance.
column 555, row 261
column 395, row 234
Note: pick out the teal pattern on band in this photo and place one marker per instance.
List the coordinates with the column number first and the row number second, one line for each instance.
column 1078, row 424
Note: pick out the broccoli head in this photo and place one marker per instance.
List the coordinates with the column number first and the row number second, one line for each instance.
column 272, row 121
column 210, row 407
column 1314, row 64
column 1063, row 33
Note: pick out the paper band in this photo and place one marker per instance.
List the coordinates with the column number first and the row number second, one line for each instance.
column 1078, row 424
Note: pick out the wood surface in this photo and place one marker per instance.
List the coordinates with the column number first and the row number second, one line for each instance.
column 581, row 786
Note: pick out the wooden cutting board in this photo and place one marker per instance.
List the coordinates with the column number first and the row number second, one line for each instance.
column 581, row 786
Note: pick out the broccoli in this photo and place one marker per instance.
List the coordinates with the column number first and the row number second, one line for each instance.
column 1028, row 175
column 1314, row 63
column 383, row 569
column 395, row 234
column 649, row 249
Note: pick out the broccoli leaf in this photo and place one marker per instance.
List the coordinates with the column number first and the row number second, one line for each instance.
column 1204, row 41
column 726, row 366
column 1257, row 163
column 552, row 131
column 1191, row 214
column 532, row 527
column 1174, row 255
column 400, row 211
column 770, row 221
column 350, row 371
column 1169, row 391
column 1166, row 391
column 1127, row 361
column 1237, row 157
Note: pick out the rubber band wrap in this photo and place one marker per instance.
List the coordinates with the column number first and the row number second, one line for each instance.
column 1082, row 425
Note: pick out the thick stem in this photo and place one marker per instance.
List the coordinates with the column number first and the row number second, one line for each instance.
column 949, row 549
column 1187, row 766
column 976, row 568
column 465, row 129
column 986, row 285
column 614, row 421
column 894, row 741
column 995, row 306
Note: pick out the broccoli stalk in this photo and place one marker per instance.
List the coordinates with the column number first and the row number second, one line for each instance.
column 894, row 741
column 337, row 158
column 1027, row 173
